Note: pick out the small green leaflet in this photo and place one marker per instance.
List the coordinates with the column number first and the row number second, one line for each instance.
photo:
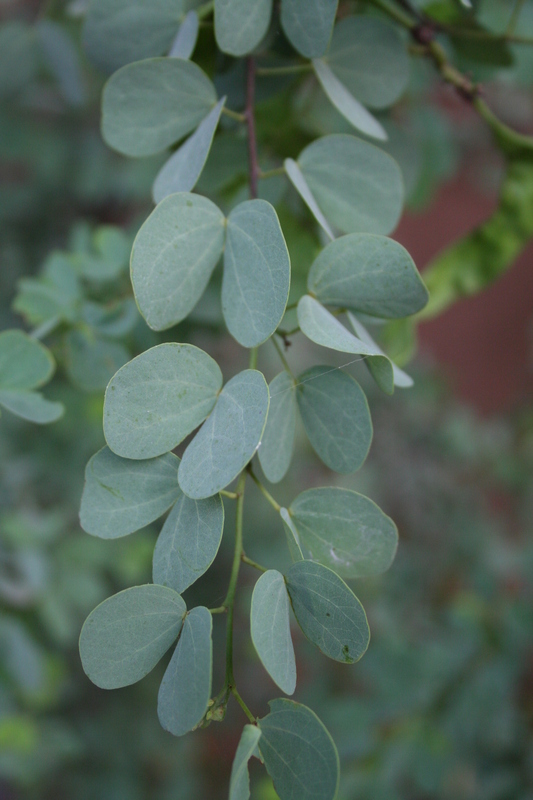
column 336, row 417
column 121, row 496
column 372, row 274
column 186, row 686
column 241, row 24
column 295, row 175
column 257, row 273
column 55, row 294
column 239, row 786
column 228, row 439
column 328, row 612
column 186, row 38
column 31, row 406
column 149, row 105
column 345, row 531
column 184, row 167
column 125, row 636
column 308, row 24
column 400, row 378
column 300, row 755
column 270, row 629
column 153, row 402
column 91, row 360
column 357, row 186
column 188, row 542
column 319, row 325
column 293, row 537
column 277, row 444
column 173, row 257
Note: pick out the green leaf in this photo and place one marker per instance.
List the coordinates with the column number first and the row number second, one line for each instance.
column 125, row 636
column 327, row 611
column 31, row 406
column 319, row 325
column 372, row 274
column 375, row 363
column 92, row 361
column 173, row 257
column 336, row 417
column 188, row 542
column 270, row 629
column 18, row 62
column 63, row 60
column 153, row 402
column 24, row 362
column 56, row 293
column 186, row 686
column 117, row 32
column 239, row 785
column 184, row 167
column 112, row 250
column 295, row 175
column 369, row 57
column 293, row 537
column 228, row 439
column 345, row 531
column 241, row 24
column 308, row 24
column 350, row 108
column 149, row 105
column 277, row 444
column 186, row 38
column 300, row 755
column 121, row 496
column 257, row 273
column 357, row 186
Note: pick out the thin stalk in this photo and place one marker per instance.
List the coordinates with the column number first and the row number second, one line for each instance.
column 263, row 490
column 282, row 357
column 46, row 328
column 253, row 564
column 243, row 705
column 253, row 163
column 229, row 495
column 292, row 69
column 272, row 173
column 229, row 601
column 233, row 114
column 218, row 610
column 252, row 362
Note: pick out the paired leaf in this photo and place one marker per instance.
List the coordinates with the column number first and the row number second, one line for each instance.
column 186, row 686
column 228, row 439
column 300, row 755
column 319, row 325
column 293, row 537
column 24, row 362
column 186, row 38
column 336, row 417
column 327, row 611
column 188, row 542
column 277, row 444
column 270, row 629
column 149, row 105
column 239, row 785
column 241, row 24
column 345, row 531
column 125, row 636
column 54, row 294
column 121, row 496
column 257, row 273
column 383, row 375
column 372, row 274
column 297, row 179
column 31, row 406
column 308, row 24
column 153, row 402
column 184, row 167
column 173, row 257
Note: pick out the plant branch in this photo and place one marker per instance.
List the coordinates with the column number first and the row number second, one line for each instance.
column 230, row 495
column 46, row 328
column 282, row 357
column 229, row 601
column 253, row 564
column 233, row 114
column 263, row 490
column 292, row 69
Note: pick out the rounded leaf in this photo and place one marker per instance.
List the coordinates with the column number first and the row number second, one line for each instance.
column 270, row 629
column 241, row 24
column 308, row 24
column 24, row 362
column 319, row 325
column 31, row 406
column 239, row 785
column 277, row 445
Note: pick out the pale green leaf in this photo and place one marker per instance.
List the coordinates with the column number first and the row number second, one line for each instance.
column 173, row 257
column 24, row 362
column 297, row 179
column 56, row 293
column 241, row 24
column 345, row 531
column 374, row 364
column 293, row 537
column 158, row 398
column 121, row 496
column 257, row 273
column 308, row 24
column 186, row 686
column 188, row 542
column 239, row 785
column 186, row 38
column 372, row 274
column 336, row 417
column 184, row 167
column 270, row 629
column 228, row 439
column 300, row 755
column 149, row 105
column 31, row 406
column 357, row 186
column 277, row 444
column 346, row 103
column 327, row 611
column 125, row 636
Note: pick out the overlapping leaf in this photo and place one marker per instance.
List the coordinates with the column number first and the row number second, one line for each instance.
column 308, row 24
column 239, row 785
column 386, row 375
column 319, row 325
column 277, row 444
column 241, row 24
column 186, row 37
column 270, row 629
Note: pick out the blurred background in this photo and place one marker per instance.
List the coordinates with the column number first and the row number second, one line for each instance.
column 441, row 706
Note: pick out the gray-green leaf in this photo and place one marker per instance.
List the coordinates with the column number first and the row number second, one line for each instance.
column 186, row 686
column 158, row 398
column 293, row 537
column 257, row 273
column 186, row 38
column 374, row 363
column 173, row 257
column 188, row 542
column 327, row 611
column 319, row 325
column 125, row 636
column 31, row 406
column 239, row 785
column 228, row 439
column 345, row 531
column 308, row 24
column 149, row 105
column 24, row 362
column 121, row 496
column 270, row 629
column 297, row 179
column 277, row 444
column 241, row 24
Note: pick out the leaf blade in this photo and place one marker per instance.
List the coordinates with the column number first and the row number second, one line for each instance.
column 239, row 785
column 308, row 24
column 270, row 629
column 241, row 24
column 277, row 444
